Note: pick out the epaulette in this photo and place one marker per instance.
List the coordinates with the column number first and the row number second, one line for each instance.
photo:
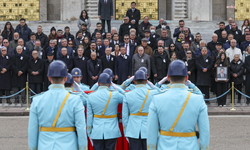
column 37, row 95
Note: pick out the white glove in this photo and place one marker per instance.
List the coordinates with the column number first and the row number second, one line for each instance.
column 115, row 86
column 151, row 84
column 77, row 87
column 163, row 80
column 91, row 141
column 131, row 78
column 187, row 83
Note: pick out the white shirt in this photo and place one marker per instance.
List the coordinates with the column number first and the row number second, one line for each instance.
column 230, row 52
column 128, row 48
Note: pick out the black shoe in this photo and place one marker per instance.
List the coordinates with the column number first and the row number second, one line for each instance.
column 9, row 102
column 0, row 101
column 207, row 102
column 238, row 101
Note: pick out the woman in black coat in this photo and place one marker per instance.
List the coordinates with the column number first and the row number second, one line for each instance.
column 190, row 63
column 236, row 72
column 5, row 74
column 8, row 31
column 247, row 66
column 221, row 85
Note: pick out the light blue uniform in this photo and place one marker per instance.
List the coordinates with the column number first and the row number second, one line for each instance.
column 103, row 128
column 84, row 87
column 111, row 88
column 43, row 112
column 163, row 111
column 192, row 88
column 83, row 95
column 132, row 102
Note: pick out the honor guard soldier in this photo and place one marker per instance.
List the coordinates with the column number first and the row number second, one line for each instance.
column 113, row 86
column 59, row 115
column 77, row 76
column 130, row 87
column 135, row 112
column 177, row 111
column 192, row 87
column 69, row 87
column 102, row 121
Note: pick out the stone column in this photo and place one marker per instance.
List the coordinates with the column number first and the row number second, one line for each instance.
column 70, row 9
column 200, row 10
column 230, row 11
column 43, row 10
column 162, row 9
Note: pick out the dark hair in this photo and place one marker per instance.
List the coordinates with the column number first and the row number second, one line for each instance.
column 244, row 23
column 98, row 23
column 32, row 33
column 181, row 21
column 222, row 22
column 59, row 30
column 161, row 47
column 225, row 62
column 67, row 84
column 116, row 34
column 78, row 32
column 98, row 32
column 67, row 27
column 198, row 33
column 22, row 19
column 140, row 81
column 87, row 16
column 126, row 35
column 133, row 3
column 11, row 28
column 177, row 78
column 57, row 79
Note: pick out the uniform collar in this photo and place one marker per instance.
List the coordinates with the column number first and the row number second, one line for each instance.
column 56, row 86
column 103, row 87
column 178, row 85
column 140, row 85
column 69, row 89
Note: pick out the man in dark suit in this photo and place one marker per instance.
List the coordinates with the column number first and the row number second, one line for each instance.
column 143, row 26
column 151, row 41
column 236, row 32
column 67, row 59
column 105, row 12
column 115, row 41
column 104, row 46
column 219, row 31
column 130, row 48
column 50, row 58
column 35, row 71
column 42, row 37
column 134, row 15
column 93, row 48
column 10, row 51
column 123, row 66
column 19, row 73
column 80, row 62
column 108, row 61
column 179, row 30
column 94, row 67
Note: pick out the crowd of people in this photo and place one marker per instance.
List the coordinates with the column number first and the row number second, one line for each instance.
column 26, row 55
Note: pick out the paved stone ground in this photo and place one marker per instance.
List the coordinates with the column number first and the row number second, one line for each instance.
column 227, row 133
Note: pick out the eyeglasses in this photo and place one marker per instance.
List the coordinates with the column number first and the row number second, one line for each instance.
column 126, row 38
column 5, row 42
column 189, row 53
column 185, row 30
column 70, row 44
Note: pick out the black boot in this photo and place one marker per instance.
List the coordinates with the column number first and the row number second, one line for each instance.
column 239, row 101
column 248, row 101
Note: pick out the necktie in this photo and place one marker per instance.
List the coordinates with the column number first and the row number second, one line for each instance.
column 122, row 56
column 108, row 58
column 105, row 2
column 126, row 46
column 133, row 41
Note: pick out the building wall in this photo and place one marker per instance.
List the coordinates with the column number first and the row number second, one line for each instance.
column 219, row 9
column 54, row 9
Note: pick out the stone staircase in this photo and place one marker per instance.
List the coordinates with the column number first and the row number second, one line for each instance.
column 92, row 8
column 206, row 28
column 180, row 9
